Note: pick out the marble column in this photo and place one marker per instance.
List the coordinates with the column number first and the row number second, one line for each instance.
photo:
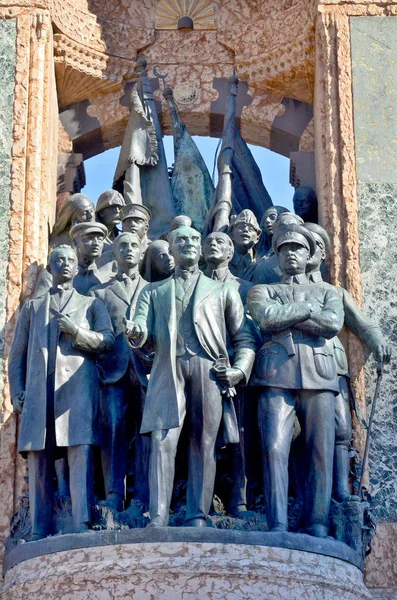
column 28, row 139
column 374, row 60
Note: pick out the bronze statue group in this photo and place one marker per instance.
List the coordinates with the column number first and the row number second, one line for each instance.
column 129, row 340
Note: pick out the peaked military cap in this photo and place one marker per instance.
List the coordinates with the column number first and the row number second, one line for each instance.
column 91, row 227
column 294, row 234
column 136, row 210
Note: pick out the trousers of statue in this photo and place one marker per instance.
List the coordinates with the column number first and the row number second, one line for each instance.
column 202, row 410
column 120, row 402
column 41, row 486
column 343, row 435
column 315, row 411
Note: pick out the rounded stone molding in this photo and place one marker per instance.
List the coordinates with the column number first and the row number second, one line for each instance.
column 181, row 563
column 186, row 93
column 182, row 569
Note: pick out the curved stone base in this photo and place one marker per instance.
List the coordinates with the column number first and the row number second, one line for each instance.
column 182, row 570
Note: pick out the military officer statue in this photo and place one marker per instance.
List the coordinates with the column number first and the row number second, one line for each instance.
column 54, row 385
column 297, row 372
column 189, row 316
column 371, row 335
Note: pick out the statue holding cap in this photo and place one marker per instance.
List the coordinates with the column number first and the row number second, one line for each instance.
column 123, row 378
column 189, row 318
column 371, row 335
column 88, row 240
column 244, row 231
column 55, row 387
column 296, row 372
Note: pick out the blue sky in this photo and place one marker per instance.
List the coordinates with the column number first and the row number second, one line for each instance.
column 274, row 168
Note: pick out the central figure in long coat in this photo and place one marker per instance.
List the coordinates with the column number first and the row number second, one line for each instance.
column 189, row 317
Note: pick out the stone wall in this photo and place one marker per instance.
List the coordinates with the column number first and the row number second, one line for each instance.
column 374, row 59
column 7, row 74
column 28, row 138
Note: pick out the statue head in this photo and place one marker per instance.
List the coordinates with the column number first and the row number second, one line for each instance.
column 88, row 239
column 158, row 263
column 185, row 246
column 78, row 208
column 109, row 207
column 269, row 217
column 244, row 230
column 305, row 203
column 63, row 264
column 180, row 221
column 136, row 219
column 323, row 246
column 127, row 250
column 218, row 249
column 294, row 245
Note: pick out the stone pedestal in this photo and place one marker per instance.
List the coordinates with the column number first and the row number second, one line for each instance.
column 170, row 565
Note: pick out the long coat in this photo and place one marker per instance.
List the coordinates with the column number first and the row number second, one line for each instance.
column 217, row 311
column 76, row 391
column 113, row 365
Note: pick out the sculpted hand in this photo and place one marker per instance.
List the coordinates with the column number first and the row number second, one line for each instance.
column 132, row 330
column 229, row 377
column 67, row 325
column 382, row 355
column 17, row 403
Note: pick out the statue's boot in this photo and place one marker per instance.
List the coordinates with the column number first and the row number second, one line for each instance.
column 113, row 501
column 318, row 530
column 341, row 475
column 199, row 522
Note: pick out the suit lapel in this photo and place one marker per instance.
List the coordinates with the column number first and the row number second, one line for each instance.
column 204, row 287
column 166, row 298
column 74, row 303
column 43, row 319
column 119, row 289
column 65, row 304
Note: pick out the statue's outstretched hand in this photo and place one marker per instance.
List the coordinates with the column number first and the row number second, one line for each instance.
column 132, row 330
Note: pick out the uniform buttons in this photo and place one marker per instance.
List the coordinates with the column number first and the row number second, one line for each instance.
column 67, row 369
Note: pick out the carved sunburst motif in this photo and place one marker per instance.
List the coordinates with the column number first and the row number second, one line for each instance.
column 170, row 11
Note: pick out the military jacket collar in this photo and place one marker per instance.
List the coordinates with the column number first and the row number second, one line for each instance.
column 300, row 278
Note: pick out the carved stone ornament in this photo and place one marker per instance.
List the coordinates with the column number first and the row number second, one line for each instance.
column 201, row 12
column 186, row 93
